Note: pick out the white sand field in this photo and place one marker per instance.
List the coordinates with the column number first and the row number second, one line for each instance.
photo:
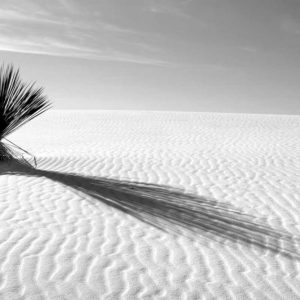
column 219, row 218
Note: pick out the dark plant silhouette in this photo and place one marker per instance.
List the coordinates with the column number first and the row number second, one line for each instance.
column 171, row 210
column 19, row 103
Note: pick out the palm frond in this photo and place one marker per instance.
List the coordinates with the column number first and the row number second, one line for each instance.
column 19, row 102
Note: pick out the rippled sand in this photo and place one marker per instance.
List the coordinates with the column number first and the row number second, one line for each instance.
column 62, row 237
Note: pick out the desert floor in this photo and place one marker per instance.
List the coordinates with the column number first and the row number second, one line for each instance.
column 230, row 231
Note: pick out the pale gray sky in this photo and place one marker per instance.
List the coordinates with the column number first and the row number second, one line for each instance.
column 194, row 55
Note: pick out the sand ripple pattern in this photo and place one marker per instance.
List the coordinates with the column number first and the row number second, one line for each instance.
column 57, row 242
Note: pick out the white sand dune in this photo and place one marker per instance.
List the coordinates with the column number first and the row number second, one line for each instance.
column 230, row 231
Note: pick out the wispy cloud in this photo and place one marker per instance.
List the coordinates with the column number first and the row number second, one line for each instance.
column 290, row 25
column 54, row 47
column 69, row 5
column 55, row 30
column 174, row 8
column 10, row 16
column 248, row 49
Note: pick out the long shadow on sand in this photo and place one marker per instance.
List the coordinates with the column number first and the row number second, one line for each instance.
column 170, row 209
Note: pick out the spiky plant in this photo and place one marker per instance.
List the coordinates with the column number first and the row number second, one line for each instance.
column 19, row 103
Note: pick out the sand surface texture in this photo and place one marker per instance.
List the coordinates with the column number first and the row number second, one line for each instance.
column 163, row 206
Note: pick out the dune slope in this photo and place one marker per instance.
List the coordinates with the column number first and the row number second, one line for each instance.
column 153, row 205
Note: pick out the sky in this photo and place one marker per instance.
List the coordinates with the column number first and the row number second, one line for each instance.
column 184, row 55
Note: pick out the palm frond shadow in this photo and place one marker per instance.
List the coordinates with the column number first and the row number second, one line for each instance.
column 172, row 210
